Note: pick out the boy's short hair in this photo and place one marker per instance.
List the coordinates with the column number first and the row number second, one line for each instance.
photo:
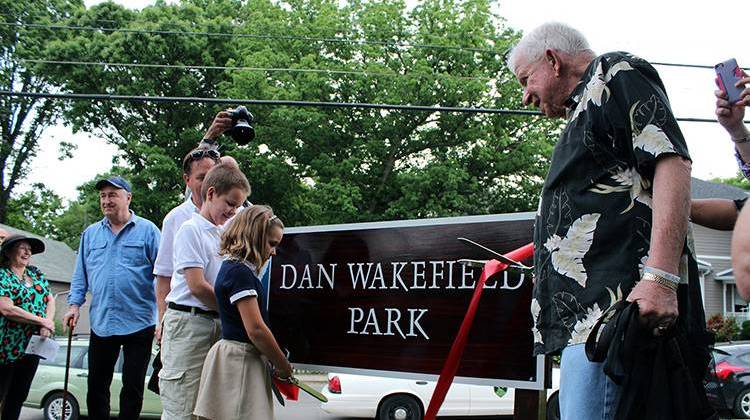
column 224, row 178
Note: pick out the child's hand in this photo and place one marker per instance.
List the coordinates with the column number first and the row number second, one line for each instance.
column 284, row 373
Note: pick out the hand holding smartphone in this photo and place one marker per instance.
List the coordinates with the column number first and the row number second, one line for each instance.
column 728, row 73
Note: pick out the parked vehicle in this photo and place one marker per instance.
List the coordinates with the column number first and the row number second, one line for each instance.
column 407, row 399
column 728, row 382
column 47, row 388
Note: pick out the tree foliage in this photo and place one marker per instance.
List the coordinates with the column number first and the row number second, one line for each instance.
column 738, row 181
column 35, row 210
column 316, row 165
column 23, row 120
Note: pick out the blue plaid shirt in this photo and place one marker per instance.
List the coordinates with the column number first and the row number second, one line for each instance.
column 117, row 270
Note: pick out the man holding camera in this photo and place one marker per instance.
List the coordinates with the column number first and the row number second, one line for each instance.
column 195, row 165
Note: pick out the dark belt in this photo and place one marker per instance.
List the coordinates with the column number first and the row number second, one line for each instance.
column 192, row 309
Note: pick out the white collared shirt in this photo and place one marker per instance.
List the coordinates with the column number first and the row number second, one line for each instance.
column 196, row 245
column 164, row 265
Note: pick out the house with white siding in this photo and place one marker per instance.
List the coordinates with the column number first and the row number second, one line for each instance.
column 713, row 250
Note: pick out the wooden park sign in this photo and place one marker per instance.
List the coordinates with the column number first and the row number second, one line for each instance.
column 387, row 298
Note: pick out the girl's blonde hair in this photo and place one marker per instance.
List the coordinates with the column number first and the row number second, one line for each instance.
column 247, row 234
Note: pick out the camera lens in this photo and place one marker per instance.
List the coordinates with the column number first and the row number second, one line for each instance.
column 243, row 133
column 242, row 130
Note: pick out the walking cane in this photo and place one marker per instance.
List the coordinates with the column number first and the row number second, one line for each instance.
column 71, row 325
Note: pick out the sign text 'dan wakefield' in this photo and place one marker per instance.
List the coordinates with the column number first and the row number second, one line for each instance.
column 401, row 275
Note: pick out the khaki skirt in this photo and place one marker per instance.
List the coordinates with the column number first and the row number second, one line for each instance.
column 234, row 384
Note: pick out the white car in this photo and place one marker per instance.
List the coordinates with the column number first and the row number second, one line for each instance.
column 407, row 399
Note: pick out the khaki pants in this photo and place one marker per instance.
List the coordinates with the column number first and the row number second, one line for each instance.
column 186, row 340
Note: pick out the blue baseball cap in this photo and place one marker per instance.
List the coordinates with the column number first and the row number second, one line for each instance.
column 114, row 181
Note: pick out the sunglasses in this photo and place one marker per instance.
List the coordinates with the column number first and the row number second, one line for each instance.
column 202, row 153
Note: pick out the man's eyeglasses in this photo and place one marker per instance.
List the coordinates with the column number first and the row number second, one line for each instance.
column 202, row 153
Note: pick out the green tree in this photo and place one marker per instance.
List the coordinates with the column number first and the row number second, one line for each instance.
column 738, row 181
column 35, row 211
column 152, row 138
column 23, row 120
column 362, row 165
column 78, row 215
column 318, row 165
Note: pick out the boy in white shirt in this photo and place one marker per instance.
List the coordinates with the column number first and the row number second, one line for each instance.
column 191, row 325
column 195, row 166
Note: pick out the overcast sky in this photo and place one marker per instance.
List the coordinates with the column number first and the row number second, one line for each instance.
column 701, row 32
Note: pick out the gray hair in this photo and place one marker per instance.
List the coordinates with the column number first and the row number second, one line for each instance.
column 550, row 35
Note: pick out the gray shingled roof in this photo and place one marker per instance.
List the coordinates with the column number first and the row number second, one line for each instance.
column 57, row 262
column 706, row 189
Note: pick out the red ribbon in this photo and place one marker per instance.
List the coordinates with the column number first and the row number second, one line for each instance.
column 288, row 390
column 457, row 349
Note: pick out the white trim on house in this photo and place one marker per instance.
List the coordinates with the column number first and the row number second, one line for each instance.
column 724, row 300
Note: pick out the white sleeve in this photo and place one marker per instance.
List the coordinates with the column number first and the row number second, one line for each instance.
column 242, row 293
column 164, row 258
column 188, row 252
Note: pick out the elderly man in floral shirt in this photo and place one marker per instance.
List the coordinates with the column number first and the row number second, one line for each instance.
column 613, row 215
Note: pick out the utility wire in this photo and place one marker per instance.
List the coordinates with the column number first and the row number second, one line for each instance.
column 189, row 99
column 295, row 70
column 193, row 99
column 696, row 66
column 268, row 69
column 253, row 36
column 300, row 38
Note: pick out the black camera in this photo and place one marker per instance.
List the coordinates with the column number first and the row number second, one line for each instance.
column 242, row 130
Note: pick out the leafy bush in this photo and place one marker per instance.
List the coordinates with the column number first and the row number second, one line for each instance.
column 745, row 330
column 59, row 328
column 725, row 328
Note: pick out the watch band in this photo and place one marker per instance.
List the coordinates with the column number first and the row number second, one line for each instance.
column 661, row 281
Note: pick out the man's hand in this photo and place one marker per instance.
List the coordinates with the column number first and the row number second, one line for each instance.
column 71, row 318
column 657, row 304
column 745, row 95
column 222, row 122
column 730, row 116
column 157, row 333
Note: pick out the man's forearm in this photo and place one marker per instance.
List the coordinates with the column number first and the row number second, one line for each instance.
column 737, row 133
column 671, row 204
column 741, row 253
column 162, row 290
column 714, row 213
column 205, row 293
column 200, row 288
column 78, row 285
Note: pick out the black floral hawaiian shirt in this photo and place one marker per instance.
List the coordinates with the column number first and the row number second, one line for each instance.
column 15, row 336
column 593, row 225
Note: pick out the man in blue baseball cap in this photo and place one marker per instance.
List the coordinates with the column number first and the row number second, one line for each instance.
column 117, row 182
column 115, row 264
